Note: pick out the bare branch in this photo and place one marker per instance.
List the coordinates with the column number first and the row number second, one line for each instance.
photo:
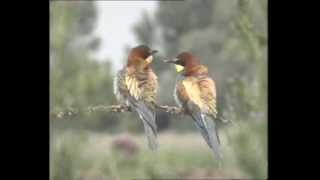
column 171, row 109
column 112, row 108
column 70, row 112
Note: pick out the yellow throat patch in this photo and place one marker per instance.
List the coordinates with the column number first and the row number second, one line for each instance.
column 149, row 59
column 179, row 68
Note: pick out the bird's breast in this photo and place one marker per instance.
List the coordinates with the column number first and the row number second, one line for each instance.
column 142, row 85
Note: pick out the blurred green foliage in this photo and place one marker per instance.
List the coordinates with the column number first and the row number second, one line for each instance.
column 230, row 37
column 87, row 155
column 76, row 79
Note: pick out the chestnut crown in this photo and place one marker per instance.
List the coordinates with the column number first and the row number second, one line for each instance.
column 188, row 64
column 186, row 59
column 139, row 54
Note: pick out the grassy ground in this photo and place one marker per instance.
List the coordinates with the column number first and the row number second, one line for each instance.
column 85, row 155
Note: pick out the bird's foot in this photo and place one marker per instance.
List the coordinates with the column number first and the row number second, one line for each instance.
column 171, row 109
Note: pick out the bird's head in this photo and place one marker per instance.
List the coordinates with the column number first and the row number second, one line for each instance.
column 185, row 63
column 141, row 56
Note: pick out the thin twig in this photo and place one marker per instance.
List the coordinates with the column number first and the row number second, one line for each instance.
column 70, row 112
column 171, row 109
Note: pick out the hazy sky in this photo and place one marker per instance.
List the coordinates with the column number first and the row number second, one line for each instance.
column 114, row 26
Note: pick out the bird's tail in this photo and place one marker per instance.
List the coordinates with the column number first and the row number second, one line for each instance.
column 151, row 137
column 148, row 118
column 209, row 132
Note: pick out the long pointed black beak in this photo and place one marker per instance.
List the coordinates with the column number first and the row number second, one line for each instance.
column 153, row 51
column 170, row 60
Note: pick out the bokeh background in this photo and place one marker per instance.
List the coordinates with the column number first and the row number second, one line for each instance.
column 89, row 42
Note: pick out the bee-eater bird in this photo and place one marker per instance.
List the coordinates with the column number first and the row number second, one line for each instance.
column 136, row 85
column 195, row 91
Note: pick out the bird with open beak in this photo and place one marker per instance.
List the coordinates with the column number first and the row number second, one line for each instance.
column 195, row 91
column 136, row 86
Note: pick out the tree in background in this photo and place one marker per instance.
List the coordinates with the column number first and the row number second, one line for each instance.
column 76, row 78
column 180, row 17
column 229, row 37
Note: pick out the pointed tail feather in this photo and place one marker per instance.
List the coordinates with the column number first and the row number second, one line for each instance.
column 209, row 132
column 150, row 132
column 147, row 115
column 148, row 118
column 151, row 137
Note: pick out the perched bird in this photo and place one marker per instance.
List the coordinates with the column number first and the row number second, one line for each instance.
column 136, row 86
column 195, row 91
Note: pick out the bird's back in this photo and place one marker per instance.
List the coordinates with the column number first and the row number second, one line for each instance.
column 138, row 90
column 197, row 95
column 200, row 90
